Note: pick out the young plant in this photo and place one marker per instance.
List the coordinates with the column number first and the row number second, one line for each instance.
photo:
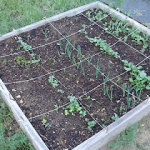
column 24, row 45
column 22, row 62
column 53, row 81
column 110, row 95
column 79, row 52
column 138, row 77
column 74, row 107
column 103, row 46
column 91, row 124
column 89, row 60
column 115, row 117
column 46, row 124
column 82, row 68
column 60, row 91
column 124, row 86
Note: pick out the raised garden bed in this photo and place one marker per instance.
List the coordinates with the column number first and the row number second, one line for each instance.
column 75, row 76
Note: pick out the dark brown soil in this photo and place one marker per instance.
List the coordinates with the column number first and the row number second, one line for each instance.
column 35, row 95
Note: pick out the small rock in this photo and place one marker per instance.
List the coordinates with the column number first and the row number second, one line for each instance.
column 14, row 90
column 18, row 96
column 21, row 101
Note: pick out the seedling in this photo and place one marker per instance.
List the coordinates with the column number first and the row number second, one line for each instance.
column 24, row 45
column 56, row 107
column 52, row 59
column 79, row 52
column 46, row 124
column 124, row 86
column 22, row 62
column 53, row 81
column 74, row 107
column 91, row 124
column 82, row 68
column 60, row 91
column 115, row 117
column 89, row 60
column 4, row 62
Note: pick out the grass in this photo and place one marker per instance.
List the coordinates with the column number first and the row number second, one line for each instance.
column 127, row 137
column 11, row 138
column 15, row 14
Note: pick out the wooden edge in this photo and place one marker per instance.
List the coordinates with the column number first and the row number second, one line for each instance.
column 21, row 119
column 69, row 13
column 124, row 17
column 100, row 139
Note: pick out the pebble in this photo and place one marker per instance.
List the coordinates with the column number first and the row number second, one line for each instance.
column 18, row 96
column 21, row 101
column 14, row 90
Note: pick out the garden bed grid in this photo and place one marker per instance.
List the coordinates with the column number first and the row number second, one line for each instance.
column 79, row 92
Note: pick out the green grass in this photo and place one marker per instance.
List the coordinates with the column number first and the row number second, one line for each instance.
column 18, row 13
column 127, row 137
column 11, row 138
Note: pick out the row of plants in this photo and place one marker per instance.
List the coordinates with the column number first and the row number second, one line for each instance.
column 120, row 28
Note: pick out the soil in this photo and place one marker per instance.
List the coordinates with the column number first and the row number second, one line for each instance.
column 29, row 85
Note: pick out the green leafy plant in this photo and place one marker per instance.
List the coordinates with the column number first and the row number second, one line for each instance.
column 138, row 77
column 103, row 46
column 74, row 107
column 22, row 61
column 53, row 81
column 46, row 124
column 24, row 45
column 4, row 62
column 60, row 91
column 115, row 117
column 90, row 123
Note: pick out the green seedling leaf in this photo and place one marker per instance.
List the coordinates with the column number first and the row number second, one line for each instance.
column 142, row 74
column 127, row 69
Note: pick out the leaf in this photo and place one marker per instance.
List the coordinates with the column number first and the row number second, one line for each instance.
column 130, row 79
column 148, row 87
column 127, row 69
column 142, row 74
